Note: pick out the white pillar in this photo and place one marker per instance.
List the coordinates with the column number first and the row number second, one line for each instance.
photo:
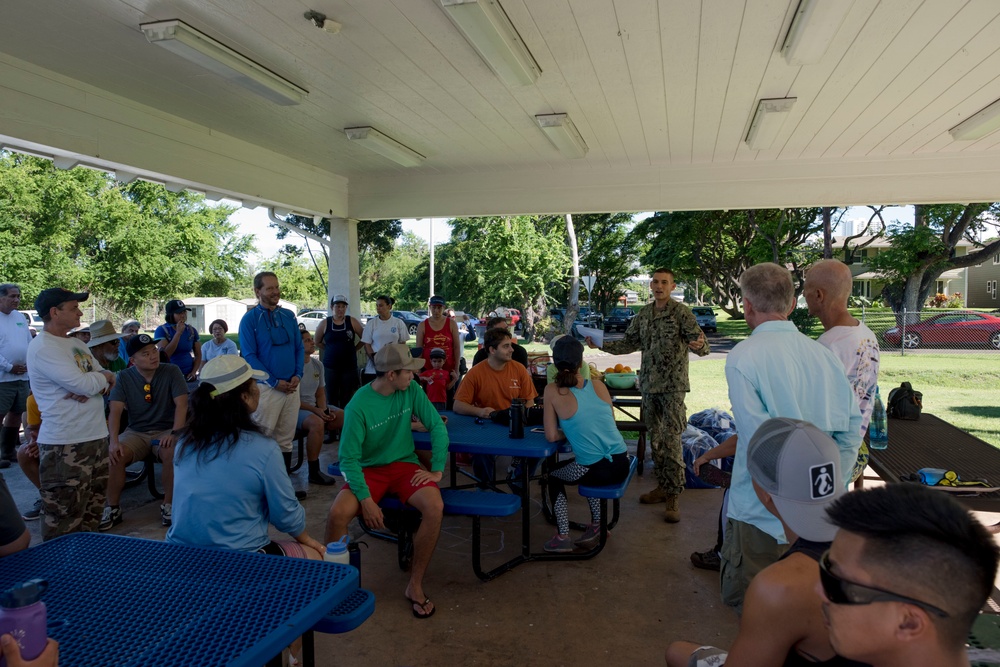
column 344, row 272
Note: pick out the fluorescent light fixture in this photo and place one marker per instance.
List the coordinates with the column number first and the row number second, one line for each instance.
column 199, row 48
column 767, row 121
column 979, row 124
column 385, row 146
column 563, row 134
column 489, row 31
column 814, row 26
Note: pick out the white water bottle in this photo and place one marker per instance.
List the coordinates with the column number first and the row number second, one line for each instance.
column 336, row 552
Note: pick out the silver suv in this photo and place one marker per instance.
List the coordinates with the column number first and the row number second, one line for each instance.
column 705, row 317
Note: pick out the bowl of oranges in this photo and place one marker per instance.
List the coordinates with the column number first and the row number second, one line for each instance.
column 619, row 377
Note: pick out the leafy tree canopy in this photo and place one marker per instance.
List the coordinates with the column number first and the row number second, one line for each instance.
column 128, row 244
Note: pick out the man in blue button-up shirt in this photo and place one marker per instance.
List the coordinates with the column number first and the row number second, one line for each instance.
column 776, row 372
column 270, row 341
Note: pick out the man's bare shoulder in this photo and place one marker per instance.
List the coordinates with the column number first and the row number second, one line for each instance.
column 785, row 590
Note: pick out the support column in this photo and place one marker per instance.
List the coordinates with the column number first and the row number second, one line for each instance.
column 344, row 272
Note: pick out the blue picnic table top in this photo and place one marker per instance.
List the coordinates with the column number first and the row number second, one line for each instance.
column 116, row 600
column 466, row 436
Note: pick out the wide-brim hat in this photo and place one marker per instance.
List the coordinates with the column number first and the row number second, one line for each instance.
column 396, row 357
column 102, row 331
column 228, row 372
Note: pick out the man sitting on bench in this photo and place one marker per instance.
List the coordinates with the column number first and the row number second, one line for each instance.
column 377, row 457
column 156, row 398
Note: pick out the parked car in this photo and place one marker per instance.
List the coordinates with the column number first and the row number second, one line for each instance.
column 705, row 317
column 963, row 327
column 410, row 319
column 421, row 313
column 311, row 319
column 618, row 320
column 34, row 321
column 513, row 315
column 586, row 316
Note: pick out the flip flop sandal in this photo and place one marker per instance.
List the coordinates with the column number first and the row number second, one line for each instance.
column 422, row 605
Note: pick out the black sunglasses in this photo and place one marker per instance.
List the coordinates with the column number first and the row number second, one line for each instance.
column 842, row 591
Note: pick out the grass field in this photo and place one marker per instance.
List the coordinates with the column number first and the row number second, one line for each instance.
column 962, row 391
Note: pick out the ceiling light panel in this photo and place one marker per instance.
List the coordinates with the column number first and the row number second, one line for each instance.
column 486, row 27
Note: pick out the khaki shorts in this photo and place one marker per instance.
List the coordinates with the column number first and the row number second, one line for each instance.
column 746, row 550
column 141, row 444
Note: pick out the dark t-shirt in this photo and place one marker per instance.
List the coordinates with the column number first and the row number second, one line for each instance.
column 158, row 413
column 520, row 354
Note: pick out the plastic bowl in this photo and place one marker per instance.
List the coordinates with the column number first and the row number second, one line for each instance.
column 620, row 380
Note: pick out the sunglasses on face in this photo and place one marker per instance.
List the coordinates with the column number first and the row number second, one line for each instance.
column 842, row 591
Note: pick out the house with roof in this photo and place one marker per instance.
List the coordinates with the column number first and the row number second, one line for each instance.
column 868, row 284
column 982, row 284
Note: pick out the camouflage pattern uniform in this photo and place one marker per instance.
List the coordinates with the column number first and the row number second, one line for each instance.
column 663, row 337
column 74, row 479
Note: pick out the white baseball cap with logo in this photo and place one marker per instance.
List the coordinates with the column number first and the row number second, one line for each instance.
column 799, row 466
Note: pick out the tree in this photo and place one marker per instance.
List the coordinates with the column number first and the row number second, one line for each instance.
column 920, row 253
column 716, row 247
column 376, row 239
column 128, row 244
column 511, row 262
column 296, row 277
column 402, row 273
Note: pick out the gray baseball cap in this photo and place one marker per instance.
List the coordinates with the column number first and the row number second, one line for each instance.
column 799, row 466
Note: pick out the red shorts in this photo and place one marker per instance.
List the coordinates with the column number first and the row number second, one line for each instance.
column 392, row 478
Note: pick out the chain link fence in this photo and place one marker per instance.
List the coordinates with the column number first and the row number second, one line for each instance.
column 936, row 330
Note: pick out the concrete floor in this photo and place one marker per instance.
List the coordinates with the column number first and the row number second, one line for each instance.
column 621, row 607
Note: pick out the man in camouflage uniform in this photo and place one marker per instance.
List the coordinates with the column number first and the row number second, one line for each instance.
column 73, row 439
column 664, row 330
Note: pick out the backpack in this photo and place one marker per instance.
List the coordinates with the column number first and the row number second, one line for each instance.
column 905, row 403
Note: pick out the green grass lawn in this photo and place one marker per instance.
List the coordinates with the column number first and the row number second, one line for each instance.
column 959, row 390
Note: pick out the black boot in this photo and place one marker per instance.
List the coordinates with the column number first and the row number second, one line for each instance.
column 9, row 441
column 316, row 477
column 301, row 495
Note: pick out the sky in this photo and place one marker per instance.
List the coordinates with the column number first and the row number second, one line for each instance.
column 256, row 222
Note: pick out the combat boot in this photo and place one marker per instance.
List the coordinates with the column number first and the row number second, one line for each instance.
column 672, row 511
column 653, row 497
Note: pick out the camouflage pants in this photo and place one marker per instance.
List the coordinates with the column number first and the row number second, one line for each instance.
column 665, row 416
column 74, row 480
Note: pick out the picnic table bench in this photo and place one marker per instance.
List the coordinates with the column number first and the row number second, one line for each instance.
column 931, row 442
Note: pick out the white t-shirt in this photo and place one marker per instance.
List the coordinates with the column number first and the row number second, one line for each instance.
column 379, row 333
column 58, row 366
column 857, row 349
column 312, row 379
column 14, row 338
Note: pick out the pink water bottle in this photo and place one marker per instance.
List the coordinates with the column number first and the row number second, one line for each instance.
column 22, row 616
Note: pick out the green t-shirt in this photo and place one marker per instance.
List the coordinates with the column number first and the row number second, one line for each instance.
column 377, row 432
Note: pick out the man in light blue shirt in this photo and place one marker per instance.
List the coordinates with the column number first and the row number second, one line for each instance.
column 270, row 341
column 776, row 372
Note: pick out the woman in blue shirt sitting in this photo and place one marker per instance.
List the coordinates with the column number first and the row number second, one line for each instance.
column 580, row 410
column 180, row 340
column 219, row 344
column 229, row 478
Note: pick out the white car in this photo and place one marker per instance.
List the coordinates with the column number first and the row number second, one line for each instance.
column 34, row 321
column 311, row 319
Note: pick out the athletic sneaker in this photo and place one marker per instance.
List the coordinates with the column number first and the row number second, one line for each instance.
column 559, row 544
column 34, row 513
column 591, row 537
column 111, row 518
column 166, row 516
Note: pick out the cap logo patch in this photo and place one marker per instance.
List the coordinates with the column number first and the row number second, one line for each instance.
column 821, row 480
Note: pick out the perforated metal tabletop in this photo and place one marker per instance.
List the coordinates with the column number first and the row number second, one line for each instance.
column 116, row 600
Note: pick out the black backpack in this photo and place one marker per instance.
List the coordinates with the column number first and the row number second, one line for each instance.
column 905, row 403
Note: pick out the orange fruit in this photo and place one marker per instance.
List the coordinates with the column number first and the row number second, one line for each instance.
column 628, row 369
column 619, row 368
column 609, row 369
